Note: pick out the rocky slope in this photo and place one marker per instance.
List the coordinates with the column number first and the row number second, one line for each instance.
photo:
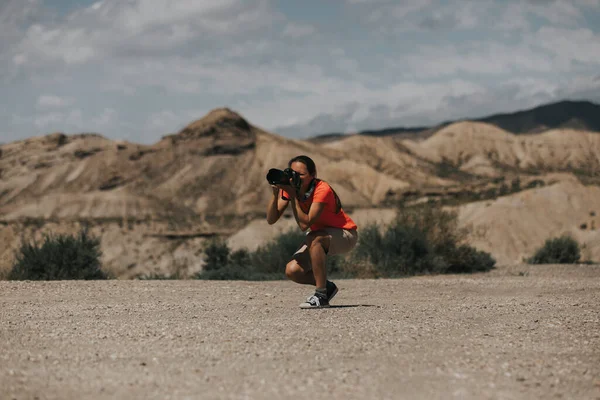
column 154, row 205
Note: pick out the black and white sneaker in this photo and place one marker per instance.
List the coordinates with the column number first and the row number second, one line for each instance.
column 331, row 290
column 315, row 301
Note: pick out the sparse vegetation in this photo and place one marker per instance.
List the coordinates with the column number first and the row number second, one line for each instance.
column 536, row 183
column 273, row 256
column 515, row 185
column 422, row 240
column 448, row 169
column 265, row 263
column 486, row 189
column 560, row 250
column 222, row 264
column 59, row 257
column 159, row 277
column 216, row 254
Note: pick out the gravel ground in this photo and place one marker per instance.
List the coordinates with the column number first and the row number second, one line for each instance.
column 524, row 332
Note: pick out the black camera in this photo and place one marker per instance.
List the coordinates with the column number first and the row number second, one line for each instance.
column 279, row 177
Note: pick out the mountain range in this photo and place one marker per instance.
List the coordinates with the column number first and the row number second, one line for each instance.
column 154, row 205
column 583, row 115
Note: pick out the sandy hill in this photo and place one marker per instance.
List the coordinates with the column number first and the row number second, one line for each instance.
column 213, row 169
column 484, row 149
column 513, row 227
column 154, row 205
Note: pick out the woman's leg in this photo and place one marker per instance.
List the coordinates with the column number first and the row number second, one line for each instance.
column 301, row 269
column 318, row 245
column 295, row 272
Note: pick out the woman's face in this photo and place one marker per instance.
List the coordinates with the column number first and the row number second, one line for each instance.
column 301, row 169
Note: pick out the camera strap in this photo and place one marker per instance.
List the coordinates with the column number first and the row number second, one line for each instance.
column 311, row 189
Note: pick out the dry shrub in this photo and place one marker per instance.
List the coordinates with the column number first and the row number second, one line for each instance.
column 422, row 240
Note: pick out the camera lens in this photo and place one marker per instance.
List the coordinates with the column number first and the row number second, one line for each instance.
column 276, row 176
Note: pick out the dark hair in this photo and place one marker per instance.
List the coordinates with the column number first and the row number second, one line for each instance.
column 312, row 169
column 306, row 160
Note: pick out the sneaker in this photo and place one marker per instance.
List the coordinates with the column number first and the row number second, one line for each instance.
column 315, row 301
column 331, row 290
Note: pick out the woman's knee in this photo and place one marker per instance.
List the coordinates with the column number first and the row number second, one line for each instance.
column 292, row 269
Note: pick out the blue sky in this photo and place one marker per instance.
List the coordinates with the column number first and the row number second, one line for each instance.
column 140, row 69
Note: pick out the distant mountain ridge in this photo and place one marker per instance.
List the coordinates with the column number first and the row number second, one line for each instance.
column 155, row 205
column 583, row 115
column 579, row 115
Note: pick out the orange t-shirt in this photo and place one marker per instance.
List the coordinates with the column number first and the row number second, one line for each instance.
column 328, row 218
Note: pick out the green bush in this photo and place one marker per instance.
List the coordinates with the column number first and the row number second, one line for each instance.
column 400, row 251
column 266, row 263
column 421, row 240
column 216, row 254
column 561, row 250
column 240, row 257
column 237, row 266
column 273, row 256
column 59, row 257
column 467, row 259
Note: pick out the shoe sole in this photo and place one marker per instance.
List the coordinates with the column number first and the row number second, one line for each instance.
column 309, row 307
column 333, row 294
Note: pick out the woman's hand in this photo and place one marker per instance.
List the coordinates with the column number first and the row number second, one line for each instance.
column 289, row 189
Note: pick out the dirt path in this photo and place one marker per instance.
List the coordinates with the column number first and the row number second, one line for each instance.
column 528, row 332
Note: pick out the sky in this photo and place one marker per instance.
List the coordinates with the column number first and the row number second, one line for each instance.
column 137, row 70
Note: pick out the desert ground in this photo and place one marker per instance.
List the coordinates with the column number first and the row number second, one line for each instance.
column 518, row 332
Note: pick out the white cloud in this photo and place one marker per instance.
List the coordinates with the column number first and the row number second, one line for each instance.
column 580, row 88
column 397, row 12
column 566, row 12
column 465, row 17
column 169, row 121
column 381, row 63
column 416, row 15
column 349, row 108
column 196, row 76
column 347, row 65
column 295, row 30
column 44, row 120
column 579, row 45
column 13, row 15
column 476, row 58
column 588, row 3
column 75, row 118
column 112, row 28
column 51, row 101
column 407, row 104
column 367, row 1
column 516, row 15
column 138, row 16
column 42, row 44
column 105, row 119
column 57, row 120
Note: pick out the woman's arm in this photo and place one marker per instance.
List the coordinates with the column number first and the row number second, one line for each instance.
column 306, row 220
column 276, row 206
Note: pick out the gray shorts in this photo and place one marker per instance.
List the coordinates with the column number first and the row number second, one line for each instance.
column 341, row 241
